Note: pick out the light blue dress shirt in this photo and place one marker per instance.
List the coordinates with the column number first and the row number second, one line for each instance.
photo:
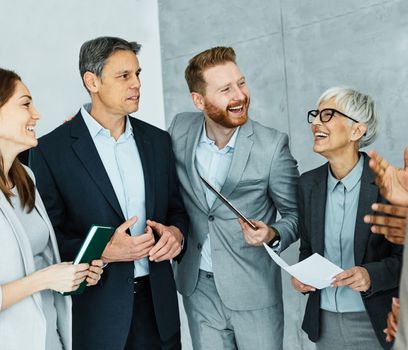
column 339, row 231
column 122, row 162
column 213, row 164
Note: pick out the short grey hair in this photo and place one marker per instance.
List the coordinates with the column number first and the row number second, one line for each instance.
column 357, row 106
column 95, row 52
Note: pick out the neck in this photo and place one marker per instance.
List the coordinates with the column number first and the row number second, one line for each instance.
column 114, row 123
column 341, row 166
column 220, row 134
column 8, row 159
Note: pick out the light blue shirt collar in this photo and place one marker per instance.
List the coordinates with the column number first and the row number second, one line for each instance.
column 97, row 129
column 230, row 145
column 350, row 180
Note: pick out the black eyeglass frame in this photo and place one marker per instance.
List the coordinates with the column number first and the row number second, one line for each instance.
column 333, row 110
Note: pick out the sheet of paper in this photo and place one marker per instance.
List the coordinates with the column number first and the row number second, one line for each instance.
column 315, row 271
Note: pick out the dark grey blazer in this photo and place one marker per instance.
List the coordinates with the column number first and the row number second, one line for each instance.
column 381, row 258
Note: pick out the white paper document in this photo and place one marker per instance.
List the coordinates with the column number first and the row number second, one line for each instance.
column 316, row 271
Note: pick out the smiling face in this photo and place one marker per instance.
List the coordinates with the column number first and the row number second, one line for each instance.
column 226, row 99
column 117, row 91
column 18, row 118
column 334, row 137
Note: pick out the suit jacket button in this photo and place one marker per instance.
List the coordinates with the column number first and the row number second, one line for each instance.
column 130, row 280
column 199, row 246
column 211, row 218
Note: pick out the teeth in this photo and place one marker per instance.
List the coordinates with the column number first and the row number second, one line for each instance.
column 237, row 108
column 30, row 128
column 321, row 134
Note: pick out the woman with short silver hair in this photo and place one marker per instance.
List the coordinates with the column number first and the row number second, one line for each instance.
column 333, row 199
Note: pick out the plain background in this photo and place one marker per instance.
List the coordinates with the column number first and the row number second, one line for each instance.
column 289, row 50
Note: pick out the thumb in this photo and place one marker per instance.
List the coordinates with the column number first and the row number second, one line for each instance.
column 155, row 226
column 127, row 224
column 406, row 158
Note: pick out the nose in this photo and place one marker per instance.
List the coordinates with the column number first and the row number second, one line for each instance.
column 35, row 114
column 317, row 120
column 238, row 94
column 135, row 82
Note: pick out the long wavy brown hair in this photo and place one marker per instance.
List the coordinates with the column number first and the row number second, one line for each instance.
column 17, row 174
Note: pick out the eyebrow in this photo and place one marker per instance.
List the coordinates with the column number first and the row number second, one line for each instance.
column 28, row 96
column 126, row 71
column 229, row 84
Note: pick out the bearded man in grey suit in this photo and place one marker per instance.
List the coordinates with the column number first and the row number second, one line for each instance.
column 231, row 289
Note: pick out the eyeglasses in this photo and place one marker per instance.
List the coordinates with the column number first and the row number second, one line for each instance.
column 325, row 115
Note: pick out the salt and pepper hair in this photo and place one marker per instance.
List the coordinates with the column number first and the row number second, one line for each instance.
column 95, row 52
column 358, row 106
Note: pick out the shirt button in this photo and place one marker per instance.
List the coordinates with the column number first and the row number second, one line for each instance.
column 130, row 280
column 199, row 246
column 211, row 218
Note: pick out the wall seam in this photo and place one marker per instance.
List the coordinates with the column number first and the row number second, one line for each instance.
column 285, row 71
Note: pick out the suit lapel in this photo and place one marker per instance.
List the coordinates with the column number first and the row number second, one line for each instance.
column 243, row 147
column 147, row 157
column 86, row 151
column 318, row 209
column 193, row 136
column 39, row 205
column 368, row 196
column 22, row 240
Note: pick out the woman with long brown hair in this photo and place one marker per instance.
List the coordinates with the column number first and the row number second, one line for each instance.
column 32, row 314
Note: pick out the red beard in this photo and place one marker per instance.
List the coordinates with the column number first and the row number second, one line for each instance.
column 222, row 116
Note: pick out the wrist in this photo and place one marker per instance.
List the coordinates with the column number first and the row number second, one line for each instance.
column 275, row 240
column 177, row 233
column 38, row 281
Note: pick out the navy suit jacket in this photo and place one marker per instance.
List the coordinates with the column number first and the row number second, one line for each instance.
column 77, row 193
column 381, row 258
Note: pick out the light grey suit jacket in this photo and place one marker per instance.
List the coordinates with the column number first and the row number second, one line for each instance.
column 261, row 181
column 23, row 325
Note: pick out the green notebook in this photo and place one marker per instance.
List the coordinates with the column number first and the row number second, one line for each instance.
column 91, row 249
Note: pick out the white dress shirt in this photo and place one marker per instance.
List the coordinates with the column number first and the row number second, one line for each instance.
column 212, row 164
column 122, row 162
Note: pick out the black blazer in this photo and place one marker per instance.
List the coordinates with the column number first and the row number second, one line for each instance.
column 77, row 193
column 381, row 258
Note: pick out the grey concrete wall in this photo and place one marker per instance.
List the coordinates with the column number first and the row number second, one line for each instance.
column 290, row 52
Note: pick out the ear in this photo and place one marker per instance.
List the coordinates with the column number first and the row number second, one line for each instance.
column 198, row 100
column 91, row 81
column 358, row 131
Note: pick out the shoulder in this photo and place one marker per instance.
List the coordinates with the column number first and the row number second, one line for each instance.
column 147, row 129
column 182, row 122
column 60, row 133
column 269, row 136
column 313, row 175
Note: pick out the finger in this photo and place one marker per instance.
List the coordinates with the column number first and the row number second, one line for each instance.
column 400, row 240
column 159, row 228
column 144, row 238
column 394, row 210
column 127, row 224
column 167, row 251
column 81, row 267
column 344, row 281
column 343, row 275
column 170, row 255
column 391, row 231
column 142, row 254
column 159, row 245
column 98, row 262
column 161, row 254
column 388, row 221
column 96, row 269
column 406, row 158
column 81, row 274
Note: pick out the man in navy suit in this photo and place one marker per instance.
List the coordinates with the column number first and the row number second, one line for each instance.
column 104, row 167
